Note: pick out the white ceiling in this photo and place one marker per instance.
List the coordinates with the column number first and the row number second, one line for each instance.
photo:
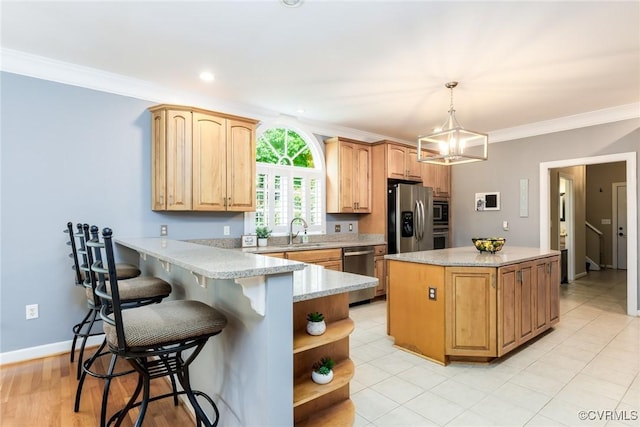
column 375, row 66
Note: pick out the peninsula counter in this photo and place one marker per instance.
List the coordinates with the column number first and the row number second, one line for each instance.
column 248, row 368
column 460, row 304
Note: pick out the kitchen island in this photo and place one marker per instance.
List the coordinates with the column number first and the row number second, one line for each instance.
column 462, row 305
column 255, row 369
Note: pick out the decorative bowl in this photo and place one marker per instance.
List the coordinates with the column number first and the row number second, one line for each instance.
column 488, row 244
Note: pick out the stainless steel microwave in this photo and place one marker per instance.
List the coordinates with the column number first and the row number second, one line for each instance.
column 440, row 212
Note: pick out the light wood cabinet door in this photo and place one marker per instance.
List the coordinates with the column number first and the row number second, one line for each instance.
column 541, row 295
column 178, row 160
column 158, row 160
column 554, row 290
column 209, row 167
column 395, row 162
column 516, row 305
column 241, row 166
column 380, row 272
column 414, row 168
column 470, row 298
column 348, row 165
column 362, row 178
column 437, row 177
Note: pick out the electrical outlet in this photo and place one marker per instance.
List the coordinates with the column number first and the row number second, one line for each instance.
column 337, row 228
column 32, row 311
column 433, row 293
column 164, row 230
column 227, row 230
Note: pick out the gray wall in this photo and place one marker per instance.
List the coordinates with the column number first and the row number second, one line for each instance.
column 520, row 159
column 75, row 154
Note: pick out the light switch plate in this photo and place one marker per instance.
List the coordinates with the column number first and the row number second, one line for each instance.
column 524, row 198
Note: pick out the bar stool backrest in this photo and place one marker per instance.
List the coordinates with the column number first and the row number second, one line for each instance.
column 103, row 278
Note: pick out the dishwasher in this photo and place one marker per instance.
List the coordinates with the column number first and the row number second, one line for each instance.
column 359, row 260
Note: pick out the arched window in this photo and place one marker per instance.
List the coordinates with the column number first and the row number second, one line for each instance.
column 290, row 180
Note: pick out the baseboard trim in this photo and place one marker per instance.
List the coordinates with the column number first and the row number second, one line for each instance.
column 46, row 350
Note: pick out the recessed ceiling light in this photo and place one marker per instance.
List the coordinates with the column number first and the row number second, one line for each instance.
column 300, row 110
column 207, row 76
column 291, row 3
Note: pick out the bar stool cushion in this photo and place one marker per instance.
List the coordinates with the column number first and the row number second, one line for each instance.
column 127, row 271
column 166, row 323
column 138, row 288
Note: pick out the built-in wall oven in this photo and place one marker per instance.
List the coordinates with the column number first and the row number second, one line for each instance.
column 440, row 224
column 440, row 238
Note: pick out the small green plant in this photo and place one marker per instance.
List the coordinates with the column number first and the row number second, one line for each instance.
column 263, row 232
column 316, row 316
column 324, row 365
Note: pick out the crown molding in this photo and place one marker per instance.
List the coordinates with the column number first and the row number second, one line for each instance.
column 592, row 118
column 22, row 63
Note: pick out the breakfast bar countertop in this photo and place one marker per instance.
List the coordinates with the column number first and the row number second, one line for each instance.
column 316, row 281
column 471, row 257
column 209, row 261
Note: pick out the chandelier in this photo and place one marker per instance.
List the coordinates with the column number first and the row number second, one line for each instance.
column 453, row 144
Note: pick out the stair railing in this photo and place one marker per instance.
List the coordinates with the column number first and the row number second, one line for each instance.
column 592, row 230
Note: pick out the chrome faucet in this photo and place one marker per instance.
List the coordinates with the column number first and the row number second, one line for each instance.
column 291, row 235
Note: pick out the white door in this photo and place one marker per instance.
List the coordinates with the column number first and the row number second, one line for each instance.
column 620, row 237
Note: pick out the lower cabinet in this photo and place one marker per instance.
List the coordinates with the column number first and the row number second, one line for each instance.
column 380, row 269
column 470, row 299
column 471, row 313
column 329, row 258
column 327, row 404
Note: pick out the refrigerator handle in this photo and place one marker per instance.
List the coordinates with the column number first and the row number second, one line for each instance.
column 416, row 220
column 419, row 220
column 422, row 220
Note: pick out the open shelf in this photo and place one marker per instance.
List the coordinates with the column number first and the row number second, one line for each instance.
column 305, row 390
column 341, row 414
column 335, row 331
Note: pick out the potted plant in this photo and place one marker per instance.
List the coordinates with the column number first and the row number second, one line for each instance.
column 263, row 234
column 315, row 323
column 322, row 372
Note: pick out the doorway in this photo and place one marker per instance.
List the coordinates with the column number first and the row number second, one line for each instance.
column 566, row 221
column 631, row 212
column 619, row 211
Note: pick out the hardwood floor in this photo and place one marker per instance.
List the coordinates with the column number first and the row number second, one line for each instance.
column 41, row 392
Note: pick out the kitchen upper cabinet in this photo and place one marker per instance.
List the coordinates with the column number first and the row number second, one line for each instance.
column 348, row 164
column 202, row 160
column 437, row 177
column 402, row 162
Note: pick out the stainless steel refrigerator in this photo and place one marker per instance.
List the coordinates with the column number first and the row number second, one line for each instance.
column 410, row 218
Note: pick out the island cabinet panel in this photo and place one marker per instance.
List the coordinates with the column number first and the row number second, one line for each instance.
column 515, row 305
column 380, row 269
column 416, row 321
column 546, row 294
column 202, row 160
column 327, row 404
column 470, row 294
column 554, row 290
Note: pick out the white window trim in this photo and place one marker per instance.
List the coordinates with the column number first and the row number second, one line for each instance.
column 319, row 171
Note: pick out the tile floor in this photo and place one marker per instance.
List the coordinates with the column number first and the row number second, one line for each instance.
column 589, row 362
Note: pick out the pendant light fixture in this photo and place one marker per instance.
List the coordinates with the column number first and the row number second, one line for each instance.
column 453, row 144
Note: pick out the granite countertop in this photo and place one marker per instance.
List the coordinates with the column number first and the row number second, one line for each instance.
column 312, row 246
column 208, row 261
column 471, row 257
column 316, row 281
